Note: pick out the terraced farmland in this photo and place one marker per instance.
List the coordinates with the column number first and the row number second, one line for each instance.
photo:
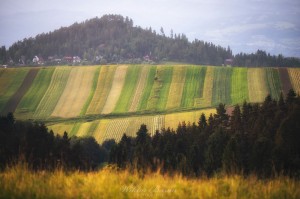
column 107, row 101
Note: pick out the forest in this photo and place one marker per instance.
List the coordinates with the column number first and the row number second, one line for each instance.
column 115, row 39
column 261, row 139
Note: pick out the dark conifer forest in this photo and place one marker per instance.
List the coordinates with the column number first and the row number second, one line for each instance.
column 115, row 39
column 261, row 139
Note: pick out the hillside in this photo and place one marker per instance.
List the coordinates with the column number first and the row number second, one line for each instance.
column 106, row 101
column 115, row 39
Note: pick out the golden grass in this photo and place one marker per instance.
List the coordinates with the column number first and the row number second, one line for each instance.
column 139, row 89
column 294, row 74
column 19, row 182
column 116, row 89
column 75, row 93
column 205, row 101
column 176, row 88
column 257, row 86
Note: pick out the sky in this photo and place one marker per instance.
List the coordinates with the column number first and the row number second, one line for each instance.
column 244, row 25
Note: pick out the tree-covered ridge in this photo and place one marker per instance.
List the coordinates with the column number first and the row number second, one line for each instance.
column 114, row 39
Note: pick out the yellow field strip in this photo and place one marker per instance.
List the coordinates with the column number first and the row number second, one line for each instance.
column 294, row 74
column 176, row 88
column 61, row 128
column 257, row 86
column 84, row 129
column 116, row 89
column 139, row 89
column 103, row 87
column 75, row 93
column 99, row 133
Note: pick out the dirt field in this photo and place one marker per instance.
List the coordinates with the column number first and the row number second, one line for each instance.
column 285, row 80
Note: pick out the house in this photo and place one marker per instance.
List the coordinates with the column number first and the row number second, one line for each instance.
column 228, row 62
column 76, row 59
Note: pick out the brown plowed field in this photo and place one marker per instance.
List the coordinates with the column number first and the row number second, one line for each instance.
column 16, row 98
column 285, row 80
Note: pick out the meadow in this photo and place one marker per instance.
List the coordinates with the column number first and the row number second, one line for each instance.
column 19, row 182
column 79, row 99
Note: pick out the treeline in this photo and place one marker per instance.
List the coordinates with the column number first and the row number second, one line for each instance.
column 255, row 139
column 33, row 144
column 261, row 139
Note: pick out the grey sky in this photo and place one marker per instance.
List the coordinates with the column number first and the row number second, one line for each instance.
column 244, row 25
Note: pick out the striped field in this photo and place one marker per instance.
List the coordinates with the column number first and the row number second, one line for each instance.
column 108, row 101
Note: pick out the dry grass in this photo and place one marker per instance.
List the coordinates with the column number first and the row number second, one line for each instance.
column 18, row 182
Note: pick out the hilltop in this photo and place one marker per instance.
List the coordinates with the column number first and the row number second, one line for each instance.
column 115, row 39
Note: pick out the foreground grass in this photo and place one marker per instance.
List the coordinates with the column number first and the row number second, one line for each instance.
column 18, row 182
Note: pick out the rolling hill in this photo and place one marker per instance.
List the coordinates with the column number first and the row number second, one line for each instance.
column 107, row 101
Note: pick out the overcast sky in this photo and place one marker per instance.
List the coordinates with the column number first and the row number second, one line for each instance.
column 244, row 25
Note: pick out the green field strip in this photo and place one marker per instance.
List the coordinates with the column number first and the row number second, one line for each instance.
column 53, row 93
column 139, row 89
column 92, row 92
column 221, row 86
column 104, row 84
column 239, row 86
column 15, row 99
column 32, row 98
column 273, row 82
column 257, row 85
column 75, row 129
column 193, row 87
column 160, row 90
column 93, row 127
column 206, row 99
column 10, row 81
column 176, row 88
column 147, row 91
column 128, row 89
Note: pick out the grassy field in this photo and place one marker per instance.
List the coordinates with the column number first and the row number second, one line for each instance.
column 239, row 86
column 273, row 82
column 57, row 85
column 10, row 81
column 31, row 100
column 129, row 87
column 221, row 92
column 19, row 182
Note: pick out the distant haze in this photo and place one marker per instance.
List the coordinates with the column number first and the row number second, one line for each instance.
column 244, row 25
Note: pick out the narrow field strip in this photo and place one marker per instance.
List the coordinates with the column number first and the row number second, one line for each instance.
column 32, row 98
column 194, row 84
column 176, row 88
column 116, row 89
column 99, row 132
column 61, row 128
column 53, row 93
column 83, row 130
column 75, row 93
column 239, row 86
column 105, row 81
column 92, row 92
column 222, row 86
column 273, row 82
column 160, row 90
column 15, row 99
column 128, row 89
column 294, row 74
column 206, row 99
column 139, row 89
column 257, row 85
column 147, row 91
column 10, row 81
